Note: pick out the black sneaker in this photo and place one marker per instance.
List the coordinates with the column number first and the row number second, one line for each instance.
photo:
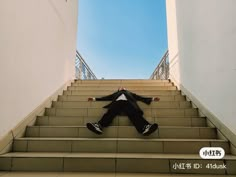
column 95, row 127
column 149, row 129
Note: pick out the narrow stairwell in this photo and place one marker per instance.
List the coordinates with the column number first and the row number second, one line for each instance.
column 60, row 141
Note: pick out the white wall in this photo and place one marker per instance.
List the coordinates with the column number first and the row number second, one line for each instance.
column 37, row 52
column 173, row 45
column 202, row 34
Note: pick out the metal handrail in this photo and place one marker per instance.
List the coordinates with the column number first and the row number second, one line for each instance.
column 162, row 70
column 82, row 70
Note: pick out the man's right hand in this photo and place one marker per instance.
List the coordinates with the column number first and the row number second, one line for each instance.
column 156, row 99
column 90, row 99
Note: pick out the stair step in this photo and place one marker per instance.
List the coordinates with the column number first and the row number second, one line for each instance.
column 121, row 132
column 113, row 88
column 100, row 174
column 126, row 85
column 121, row 81
column 101, row 104
column 121, row 145
column 114, row 162
column 84, row 97
column 148, row 112
column 107, row 92
column 121, row 121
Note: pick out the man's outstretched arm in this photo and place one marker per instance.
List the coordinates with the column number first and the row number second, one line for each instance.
column 105, row 98
column 146, row 100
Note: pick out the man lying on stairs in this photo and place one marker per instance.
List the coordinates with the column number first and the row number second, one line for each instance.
column 126, row 102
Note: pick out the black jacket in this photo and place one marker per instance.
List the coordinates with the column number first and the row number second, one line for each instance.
column 132, row 98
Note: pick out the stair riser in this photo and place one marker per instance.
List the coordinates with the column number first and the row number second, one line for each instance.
column 148, row 112
column 115, row 146
column 121, row 132
column 98, row 104
column 120, row 121
column 85, row 98
column 72, row 164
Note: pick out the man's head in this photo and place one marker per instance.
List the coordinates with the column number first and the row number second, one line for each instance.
column 121, row 88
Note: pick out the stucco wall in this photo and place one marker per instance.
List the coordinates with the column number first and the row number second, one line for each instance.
column 37, row 52
column 202, row 40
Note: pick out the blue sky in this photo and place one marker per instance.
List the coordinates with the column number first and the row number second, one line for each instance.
column 122, row 39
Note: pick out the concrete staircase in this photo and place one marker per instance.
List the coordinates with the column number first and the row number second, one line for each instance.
column 60, row 141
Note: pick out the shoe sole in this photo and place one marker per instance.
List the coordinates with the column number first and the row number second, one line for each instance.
column 152, row 129
column 91, row 128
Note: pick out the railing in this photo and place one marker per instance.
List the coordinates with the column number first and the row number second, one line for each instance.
column 82, row 70
column 162, row 70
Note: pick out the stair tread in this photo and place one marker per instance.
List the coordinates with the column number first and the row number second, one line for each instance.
column 121, row 139
column 79, row 101
column 118, row 126
column 102, row 108
column 108, row 155
column 102, row 174
column 100, row 93
column 190, row 117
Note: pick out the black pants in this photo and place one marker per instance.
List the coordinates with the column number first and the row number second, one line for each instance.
column 124, row 106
